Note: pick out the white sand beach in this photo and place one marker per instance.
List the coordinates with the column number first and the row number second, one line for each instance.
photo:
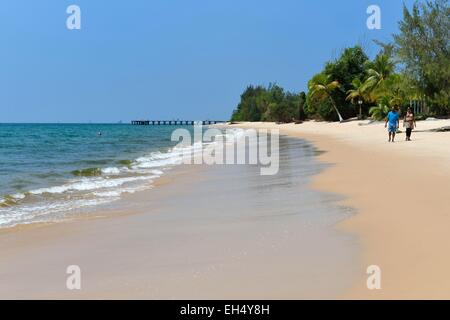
column 156, row 251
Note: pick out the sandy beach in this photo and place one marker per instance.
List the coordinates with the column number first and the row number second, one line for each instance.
column 157, row 251
column 202, row 232
column 211, row 152
column 400, row 192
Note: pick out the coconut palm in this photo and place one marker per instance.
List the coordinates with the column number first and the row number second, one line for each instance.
column 357, row 94
column 399, row 89
column 321, row 88
column 379, row 71
column 393, row 96
column 380, row 111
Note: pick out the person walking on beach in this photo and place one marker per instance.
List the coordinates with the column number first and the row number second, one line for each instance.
column 409, row 123
column 393, row 118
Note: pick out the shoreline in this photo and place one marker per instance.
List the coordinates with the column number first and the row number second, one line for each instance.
column 401, row 198
column 220, row 232
column 408, row 240
column 103, row 211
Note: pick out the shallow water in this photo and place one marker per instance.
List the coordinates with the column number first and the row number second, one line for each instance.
column 47, row 170
column 207, row 232
column 265, row 236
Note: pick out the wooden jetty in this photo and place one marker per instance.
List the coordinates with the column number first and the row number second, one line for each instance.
column 174, row 122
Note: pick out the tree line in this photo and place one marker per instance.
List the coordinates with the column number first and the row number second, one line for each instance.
column 413, row 68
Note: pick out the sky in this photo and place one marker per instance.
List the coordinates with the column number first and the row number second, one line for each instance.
column 169, row 59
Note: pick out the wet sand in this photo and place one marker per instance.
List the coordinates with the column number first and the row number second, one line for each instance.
column 203, row 232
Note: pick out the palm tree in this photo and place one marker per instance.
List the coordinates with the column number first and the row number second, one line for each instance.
column 357, row 94
column 380, row 111
column 397, row 89
column 379, row 71
column 321, row 88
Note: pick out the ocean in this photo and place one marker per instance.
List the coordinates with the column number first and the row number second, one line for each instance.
column 49, row 170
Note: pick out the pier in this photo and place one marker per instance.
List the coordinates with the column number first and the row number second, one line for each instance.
column 174, row 122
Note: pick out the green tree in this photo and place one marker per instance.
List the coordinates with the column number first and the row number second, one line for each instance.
column 301, row 106
column 397, row 90
column 321, row 88
column 357, row 95
column 380, row 111
column 378, row 72
column 350, row 65
column 249, row 108
column 423, row 47
column 267, row 104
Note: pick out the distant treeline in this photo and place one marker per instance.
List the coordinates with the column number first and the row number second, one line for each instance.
column 269, row 104
column 413, row 68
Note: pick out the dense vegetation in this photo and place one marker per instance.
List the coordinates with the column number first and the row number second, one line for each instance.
column 415, row 66
column 269, row 104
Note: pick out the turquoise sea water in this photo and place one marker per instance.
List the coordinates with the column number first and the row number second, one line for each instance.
column 47, row 169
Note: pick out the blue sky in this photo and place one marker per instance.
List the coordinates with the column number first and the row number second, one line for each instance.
column 168, row 59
